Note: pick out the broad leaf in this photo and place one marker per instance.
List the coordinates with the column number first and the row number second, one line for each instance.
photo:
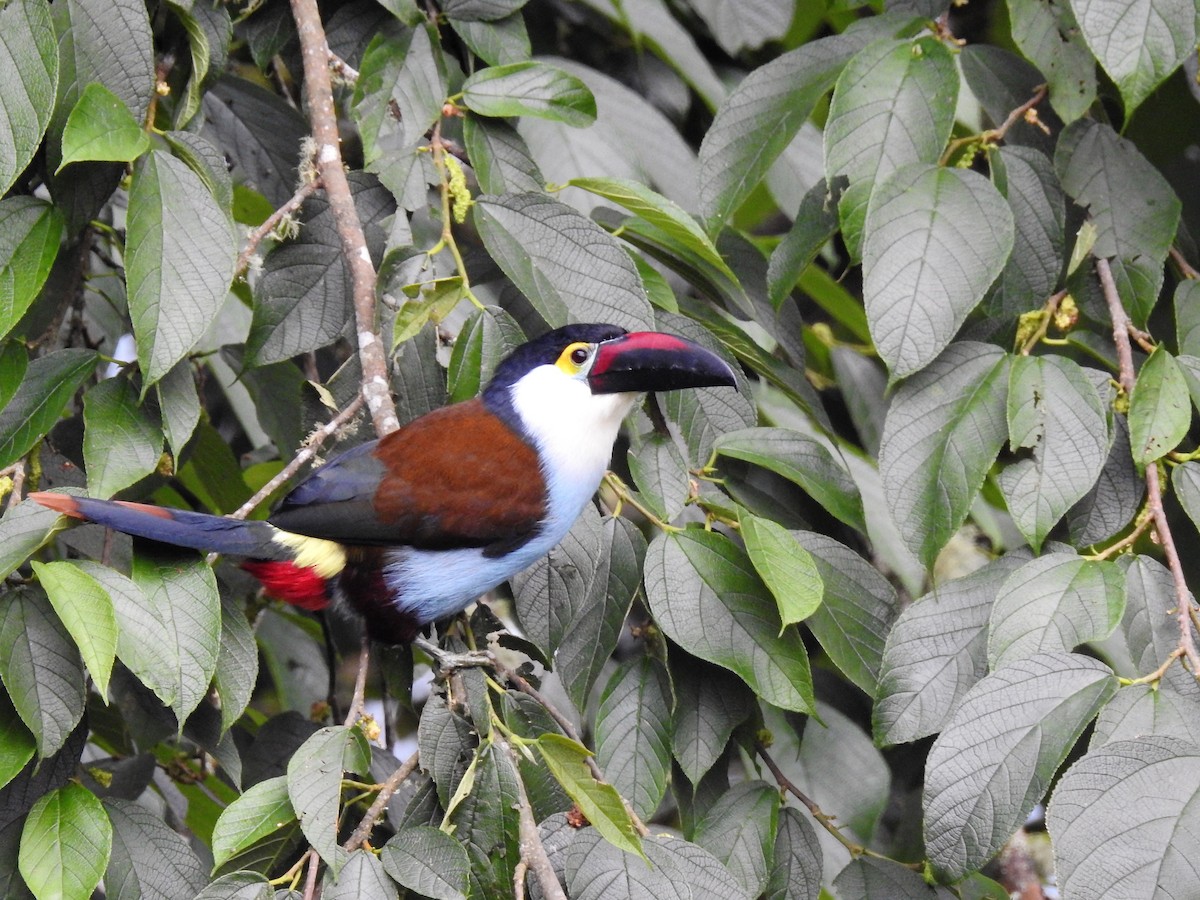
column 101, row 127
column 633, row 733
column 84, row 607
column 802, row 459
column 41, row 668
column 257, row 814
column 796, row 874
column 122, row 440
column 1124, row 819
column 149, row 858
column 998, row 754
column 936, row 652
column 705, row 595
column 1057, row 423
column 1027, row 180
column 530, row 89
column 28, row 78
column 739, row 830
column 943, row 431
column 362, row 878
column 570, row 269
column 814, row 224
column 65, row 844
column 1160, row 409
column 314, row 786
column 499, row 42
column 1054, row 603
column 428, row 862
column 500, row 157
column 785, row 566
column 50, row 381
column 598, row 801
column 709, row 704
column 30, row 231
column 935, row 240
column 1049, row 36
column 24, row 529
column 1139, row 42
column 488, row 335
column 17, row 744
column 179, row 263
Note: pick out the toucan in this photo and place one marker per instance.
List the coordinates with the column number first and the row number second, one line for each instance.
column 415, row 526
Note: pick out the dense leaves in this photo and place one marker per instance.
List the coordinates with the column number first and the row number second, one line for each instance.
column 839, row 630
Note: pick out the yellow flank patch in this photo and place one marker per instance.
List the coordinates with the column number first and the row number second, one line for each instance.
column 326, row 558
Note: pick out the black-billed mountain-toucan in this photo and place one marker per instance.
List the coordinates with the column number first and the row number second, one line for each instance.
column 415, row 526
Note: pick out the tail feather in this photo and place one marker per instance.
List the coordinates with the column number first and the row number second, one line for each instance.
column 180, row 528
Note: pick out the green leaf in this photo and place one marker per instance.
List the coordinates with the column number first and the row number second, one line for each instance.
column 179, row 261
column 1049, row 37
column 86, row 610
column 803, row 460
column 760, row 117
column 796, row 874
column 893, row 105
column 437, row 300
column 944, row 428
column 1139, row 42
column 815, row 223
column 1160, row 410
column 530, row 89
column 598, row 801
column 705, row 594
column 656, row 209
column 122, row 441
column 149, row 858
column 258, row 813
column 633, row 733
column 362, row 878
column 238, row 886
column 41, row 668
column 30, row 231
column 314, row 786
column 709, row 704
column 998, row 754
column 499, row 42
column 49, row 383
column 481, row 10
column 935, row 240
column 739, row 830
column 486, row 822
column 28, row 78
column 101, row 127
column 1057, row 423
column 1133, row 207
column 500, row 157
column 1115, row 831
column 397, row 97
column 1026, row 179
column 236, row 675
column 785, row 566
column 24, row 529
column 180, row 405
column 181, row 611
column 428, row 862
column 858, row 609
column 1054, row 603
column 17, row 744
column 661, row 474
column 1187, row 316
column 936, row 652
column 570, row 269
column 671, row 869
column 874, row 878
column 65, row 844
column 1186, row 481
column 488, row 335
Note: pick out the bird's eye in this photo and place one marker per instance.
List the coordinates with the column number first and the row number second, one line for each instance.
column 579, row 356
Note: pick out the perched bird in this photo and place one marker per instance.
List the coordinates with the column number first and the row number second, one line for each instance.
column 415, row 526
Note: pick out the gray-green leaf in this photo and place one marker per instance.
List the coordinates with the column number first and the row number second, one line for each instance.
column 633, row 733
column 530, row 89
column 30, row 231
column 28, row 78
column 1160, row 409
column 427, row 861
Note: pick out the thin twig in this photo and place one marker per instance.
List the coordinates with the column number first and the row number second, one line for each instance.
column 1162, row 528
column 358, row 699
column 1188, row 270
column 17, row 473
column 256, row 237
column 825, row 820
column 344, row 70
column 311, row 446
column 310, row 885
column 318, row 88
column 389, row 787
column 992, row 135
column 533, row 851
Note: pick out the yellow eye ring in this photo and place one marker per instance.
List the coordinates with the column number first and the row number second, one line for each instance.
column 574, row 357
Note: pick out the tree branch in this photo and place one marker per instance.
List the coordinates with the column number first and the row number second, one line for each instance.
column 533, row 851
column 255, row 237
column 1183, row 597
column 318, row 89
column 375, row 810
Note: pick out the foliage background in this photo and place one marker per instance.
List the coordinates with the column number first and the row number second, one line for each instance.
column 927, row 567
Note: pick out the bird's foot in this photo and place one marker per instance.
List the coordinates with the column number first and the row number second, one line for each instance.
column 446, row 662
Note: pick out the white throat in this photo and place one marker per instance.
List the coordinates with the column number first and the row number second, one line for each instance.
column 574, row 431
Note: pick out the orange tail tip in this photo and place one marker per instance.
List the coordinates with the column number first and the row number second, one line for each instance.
column 60, row 503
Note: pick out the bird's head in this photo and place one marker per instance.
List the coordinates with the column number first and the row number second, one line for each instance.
column 581, row 380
